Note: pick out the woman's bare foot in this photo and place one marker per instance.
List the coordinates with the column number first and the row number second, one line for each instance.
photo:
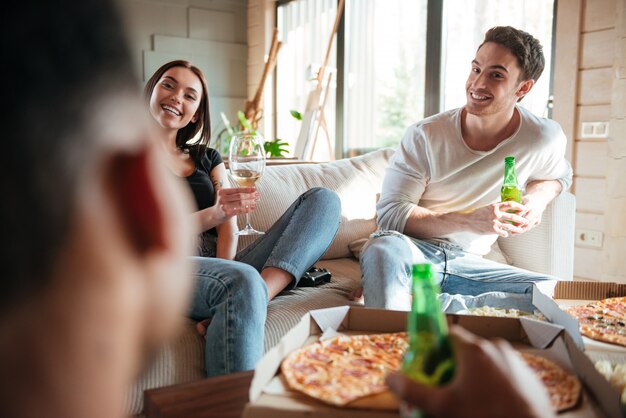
column 202, row 326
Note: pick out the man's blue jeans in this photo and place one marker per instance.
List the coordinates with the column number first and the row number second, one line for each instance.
column 233, row 294
column 466, row 280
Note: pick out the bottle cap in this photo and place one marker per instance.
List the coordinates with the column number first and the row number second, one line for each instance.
column 509, row 159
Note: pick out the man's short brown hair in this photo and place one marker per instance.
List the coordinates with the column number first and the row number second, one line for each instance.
column 523, row 45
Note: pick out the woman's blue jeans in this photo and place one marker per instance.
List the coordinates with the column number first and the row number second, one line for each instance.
column 233, row 294
column 466, row 280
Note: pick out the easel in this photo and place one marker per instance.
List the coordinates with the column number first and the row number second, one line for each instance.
column 253, row 109
column 313, row 118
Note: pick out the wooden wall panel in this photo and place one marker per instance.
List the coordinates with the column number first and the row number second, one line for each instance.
column 590, row 195
column 587, row 263
column 617, row 148
column 592, row 221
column 614, row 262
column 595, row 86
column 597, row 49
column 565, row 85
column 598, row 14
column 216, row 25
column 595, row 113
column 618, row 99
column 591, row 159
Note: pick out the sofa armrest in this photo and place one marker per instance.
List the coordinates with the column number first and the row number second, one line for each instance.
column 549, row 247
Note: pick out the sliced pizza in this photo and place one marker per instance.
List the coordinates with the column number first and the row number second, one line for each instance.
column 344, row 369
column 602, row 320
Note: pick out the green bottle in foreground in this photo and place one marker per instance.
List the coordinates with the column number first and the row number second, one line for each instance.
column 429, row 359
column 510, row 188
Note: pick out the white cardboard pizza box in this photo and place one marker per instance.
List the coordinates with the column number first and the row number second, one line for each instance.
column 270, row 399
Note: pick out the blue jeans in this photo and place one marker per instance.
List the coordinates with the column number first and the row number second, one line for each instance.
column 233, row 294
column 466, row 280
column 300, row 237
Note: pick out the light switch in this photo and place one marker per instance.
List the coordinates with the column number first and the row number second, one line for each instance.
column 594, row 130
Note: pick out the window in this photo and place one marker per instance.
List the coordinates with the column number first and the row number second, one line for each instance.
column 466, row 22
column 390, row 66
column 385, row 67
column 304, row 27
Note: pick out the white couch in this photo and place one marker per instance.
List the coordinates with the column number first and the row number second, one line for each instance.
column 548, row 249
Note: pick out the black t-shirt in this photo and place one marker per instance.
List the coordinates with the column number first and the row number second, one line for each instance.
column 200, row 181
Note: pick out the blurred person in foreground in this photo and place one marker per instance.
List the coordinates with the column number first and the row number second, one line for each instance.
column 94, row 236
column 94, row 269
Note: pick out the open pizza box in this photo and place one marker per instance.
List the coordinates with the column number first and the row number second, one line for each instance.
column 551, row 298
column 270, row 399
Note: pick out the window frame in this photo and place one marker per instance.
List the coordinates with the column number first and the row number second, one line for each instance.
column 433, row 90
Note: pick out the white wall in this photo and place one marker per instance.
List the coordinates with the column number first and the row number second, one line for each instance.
column 210, row 33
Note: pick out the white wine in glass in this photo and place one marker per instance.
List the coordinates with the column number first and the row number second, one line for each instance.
column 245, row 177
column 246, row 162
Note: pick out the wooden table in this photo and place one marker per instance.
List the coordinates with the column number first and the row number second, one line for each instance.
column 223, row 397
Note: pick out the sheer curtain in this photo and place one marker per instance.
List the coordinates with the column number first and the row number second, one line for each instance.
column 304, row 28
column 385, row 62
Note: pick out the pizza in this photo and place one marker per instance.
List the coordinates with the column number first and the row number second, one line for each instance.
column 504, row 312
column 350, row 371
column 602, row 320
column 563, row 388
column 347, row 370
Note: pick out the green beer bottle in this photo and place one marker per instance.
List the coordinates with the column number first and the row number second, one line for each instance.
column 429, row 359
column 510, row 188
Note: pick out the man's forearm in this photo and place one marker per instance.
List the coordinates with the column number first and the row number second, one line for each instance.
column 423, row 223
column 543, row 191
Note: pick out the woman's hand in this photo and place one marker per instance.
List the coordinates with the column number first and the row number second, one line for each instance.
column 229, row 202
column 235, row 201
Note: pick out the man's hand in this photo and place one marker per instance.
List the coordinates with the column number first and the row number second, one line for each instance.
column 491, row 380
column 533, row 211
column 539, row 194
column 502, row 218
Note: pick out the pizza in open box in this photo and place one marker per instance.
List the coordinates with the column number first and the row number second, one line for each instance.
column 349, row 371
column 602, row 320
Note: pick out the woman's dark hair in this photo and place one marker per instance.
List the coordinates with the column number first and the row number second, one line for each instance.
column 197, row 148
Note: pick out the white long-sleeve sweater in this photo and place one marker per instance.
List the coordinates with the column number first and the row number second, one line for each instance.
column 434, row 168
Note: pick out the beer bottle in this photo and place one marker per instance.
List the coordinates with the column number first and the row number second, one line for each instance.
column 510, row 188
column 429, row 359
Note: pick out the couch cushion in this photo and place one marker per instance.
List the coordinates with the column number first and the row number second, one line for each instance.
column 356, row 180
column 286, row 309
column 180, row 360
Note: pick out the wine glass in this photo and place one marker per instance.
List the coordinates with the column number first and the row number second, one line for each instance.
column 246, row 162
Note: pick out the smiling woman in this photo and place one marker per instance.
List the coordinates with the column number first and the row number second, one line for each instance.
column 232, row 288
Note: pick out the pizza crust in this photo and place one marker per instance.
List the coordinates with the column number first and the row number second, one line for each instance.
column 563, row 388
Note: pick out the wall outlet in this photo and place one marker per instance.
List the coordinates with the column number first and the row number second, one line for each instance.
column 595, row 130
column 589, row 238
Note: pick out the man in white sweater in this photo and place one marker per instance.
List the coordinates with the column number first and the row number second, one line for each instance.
column 440, row 199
